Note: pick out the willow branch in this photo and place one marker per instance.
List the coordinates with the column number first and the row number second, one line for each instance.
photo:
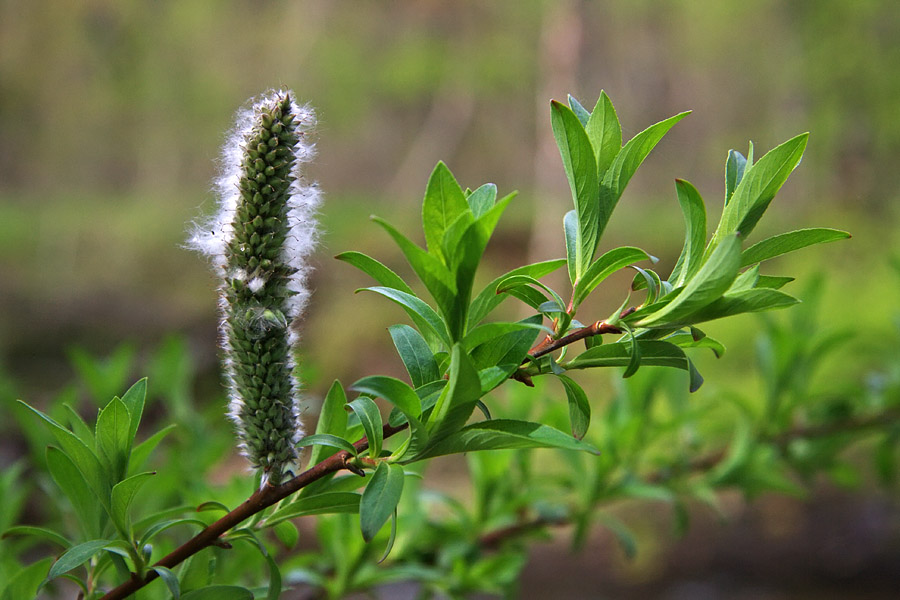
column 259, row 501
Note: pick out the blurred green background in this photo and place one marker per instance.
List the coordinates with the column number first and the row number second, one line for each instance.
column 112, row 115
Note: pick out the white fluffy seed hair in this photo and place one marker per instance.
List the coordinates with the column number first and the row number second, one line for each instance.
column 212, row 236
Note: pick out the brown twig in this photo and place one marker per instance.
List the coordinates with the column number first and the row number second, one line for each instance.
column 260, row 500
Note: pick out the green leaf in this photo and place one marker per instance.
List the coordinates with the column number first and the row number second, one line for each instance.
column 431, row 269
column 654, row 353
column 404, row 398
column 755, row 300
column 415, row 354
column 490, row 332
column 788, row 242
column 73, row 484
column 626, row 163
column 122, row 495
column 488, row 299
column 332, row 419
column 634, row 361
column 444, row 202
column 170, row 579
column 579, row 407
column 25, row 583
column 112, row 434
column 380, row 498
column 328, row 440
column 142, row 451
column 83, row 457
column 326, row 503
column 756, row 190
column 134, row 400
column 605, row 133
column 579, row 110
column 79, row 427
column 603, row 267
column 416, row 308
column 694, row 212
column 503, row 433
column 219, row 592
column 581, row 171
column 76, row 556
column 158, row 528
column 710, row 282
column 370, row 417
column 773, row 282
column 735, row 165
column 505, row 353
column 375, row 270
column 288, row 534
column 623, row 534
column 482, row 200
column 39, row 532
column 686, row 340
column 570, row 231
column 457, row 402
column 514, row 281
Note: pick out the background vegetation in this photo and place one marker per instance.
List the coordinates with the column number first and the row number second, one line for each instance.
column 111, row 117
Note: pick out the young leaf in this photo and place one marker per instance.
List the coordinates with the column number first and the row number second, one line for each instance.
column 120, row 500
column 321, row 504
column 756, row 190
column 370, row 418
column 76, row 556
column 418, row 308
column 170, row 579
column 73, row 485
column 710, row 282
column 142, row 451
column 773, row 282
column 375, row 270
column 570, row 232
column 505, row 353
column 332, row 420
column 38, row 532
column 694, row 212
column 444, row 202
column 415, row 354
column 581, row 170
column 380, row 498
column 503, row 433
column 654, row 353
column 755, row 300
column 579, row 110
column 515, row 281
column 326, row 439
column 82, row 456
column 579, row 407
column 735, row 165
column 626, row 163
column 134, row 400
column 404, row 398
column 488, row 299
column 788, row 242
column 112, row 434
column 603, row 267
column 605, row 133
column 457, row 402
column 491, row 332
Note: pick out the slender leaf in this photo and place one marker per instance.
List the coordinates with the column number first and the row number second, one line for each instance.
column 142, row 451
column 488, row 299
column 404, row 398
column 120, row 500
column 482, row 200
column 26, row 582
column 694, row 212
column 603, row 267
column 375, row 270
column 457, row 402
column 170, row 579
column 444, row 202
column 327, row 440
column 580, row 111
column 499, row 434
column 735, row 165
column 370, row 418
column 710, row 282
column 581, row 171
column 332, row 420
column 515, row 281
column 619, row 354
column 38, row 532
column 755, row 300
column 134, row 400
column 773, row 282
column 570, row 231
column 320, row 504
column 416, row 307
column 415, row 354
column 112, row 434
column 380, row 498
column 579, row 407
column 788, row 242
column 76, row 556
column 626, row 163
column 75, row 487
column 490, row 332
column 605, row 133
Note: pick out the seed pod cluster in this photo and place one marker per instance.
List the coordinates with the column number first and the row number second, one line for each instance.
column 259, row 242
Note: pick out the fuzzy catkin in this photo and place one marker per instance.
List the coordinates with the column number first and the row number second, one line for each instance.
column 258, row 243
